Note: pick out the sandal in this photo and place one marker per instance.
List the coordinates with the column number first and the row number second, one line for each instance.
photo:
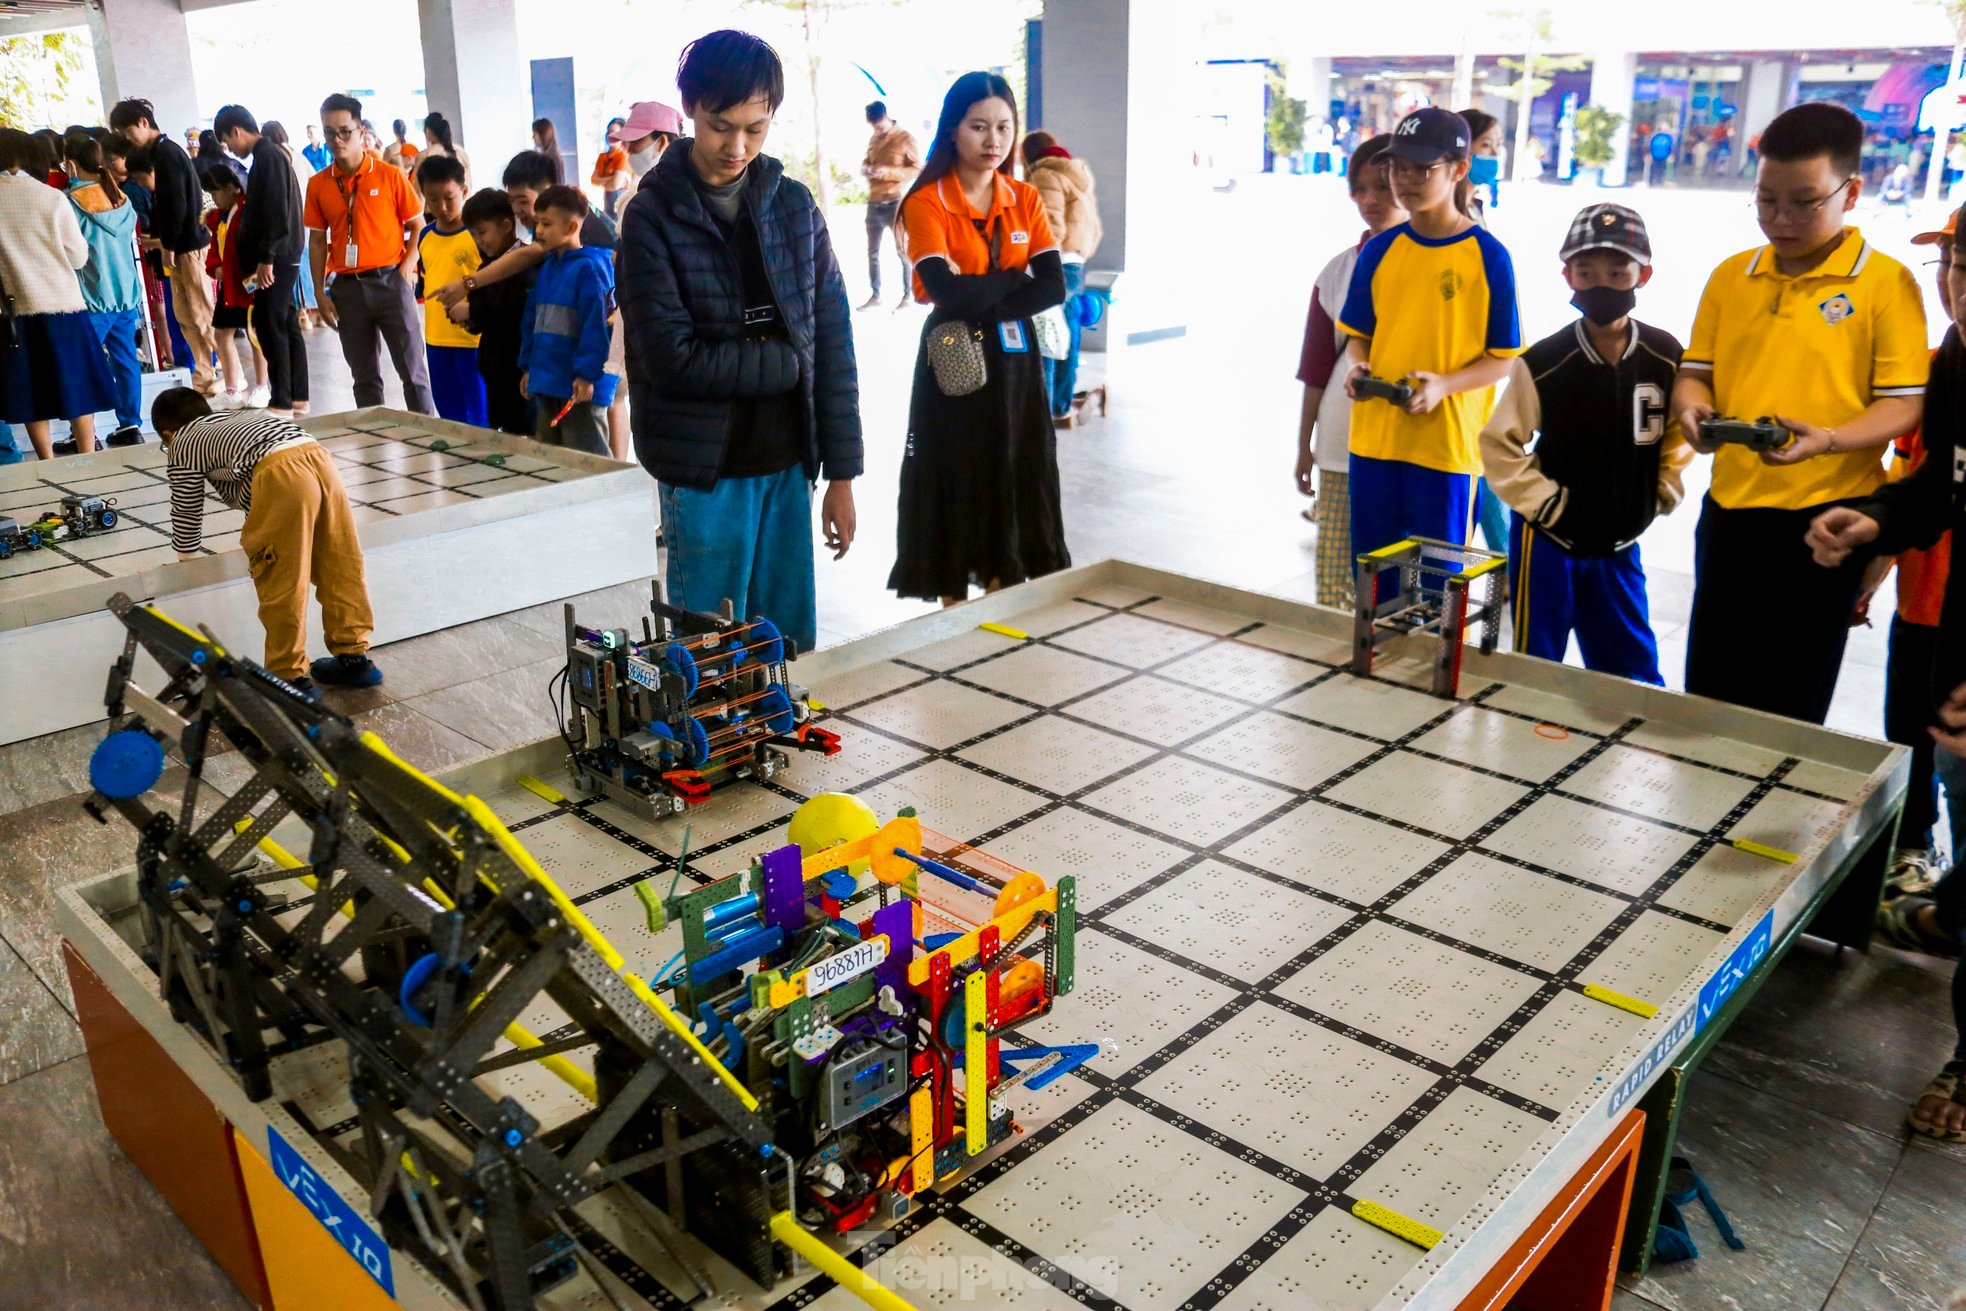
column 1897, row 924
column 1947, row 1084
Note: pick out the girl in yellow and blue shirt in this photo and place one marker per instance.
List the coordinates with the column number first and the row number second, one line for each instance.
column 1431, row 304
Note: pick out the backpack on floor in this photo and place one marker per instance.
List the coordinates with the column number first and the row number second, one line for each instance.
column 1674, row 1240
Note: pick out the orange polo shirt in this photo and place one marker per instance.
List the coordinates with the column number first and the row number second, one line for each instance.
column 940, row 221
column 368, row 207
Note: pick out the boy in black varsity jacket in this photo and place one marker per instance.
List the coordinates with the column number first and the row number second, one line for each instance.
column 1583, row 451
column 299, row 530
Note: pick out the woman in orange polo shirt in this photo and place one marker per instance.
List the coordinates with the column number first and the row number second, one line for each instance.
column 979, row 481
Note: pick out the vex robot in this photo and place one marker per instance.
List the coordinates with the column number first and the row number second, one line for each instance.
column 1422, row 585
column 828, row 1044
column 695, row 702
column 78, row 516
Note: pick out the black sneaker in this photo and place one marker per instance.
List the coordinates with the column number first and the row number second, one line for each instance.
column 66, row 446
column 305, row 686
column 130, row 435
column 346, row 671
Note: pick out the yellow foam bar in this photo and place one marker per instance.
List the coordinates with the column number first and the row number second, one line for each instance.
column 1486, row 566
column 515, row 1033
column 1598, row 992
column 836, row 1267
column 1005, row 630
column 976, row 1062
column 540, row 790
column 921, row 1125
column 1385, row 551
column 1766, row 852
column 192, row 633
column 1384, row 1217
column 966, row 947
column 482, row 813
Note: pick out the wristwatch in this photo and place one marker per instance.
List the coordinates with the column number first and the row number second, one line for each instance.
column 470, row 282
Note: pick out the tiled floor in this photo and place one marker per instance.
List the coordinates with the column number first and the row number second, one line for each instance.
column 1796, row 1122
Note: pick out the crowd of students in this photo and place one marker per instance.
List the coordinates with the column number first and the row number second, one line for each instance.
column 1815, row 333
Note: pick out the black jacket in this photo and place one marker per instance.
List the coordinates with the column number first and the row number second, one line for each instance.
column 682, row 304
column 269, row 222
column 1917, row 511
column 1606, row 459
column 178, row 203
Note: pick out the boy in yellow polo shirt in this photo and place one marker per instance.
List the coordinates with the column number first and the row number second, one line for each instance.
column 446, row 252
column 1823, row 335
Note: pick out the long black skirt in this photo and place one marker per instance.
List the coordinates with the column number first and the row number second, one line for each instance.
column 979, row 482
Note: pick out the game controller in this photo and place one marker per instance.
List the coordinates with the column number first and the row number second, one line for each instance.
column 1365, row 385
column 1764, row 434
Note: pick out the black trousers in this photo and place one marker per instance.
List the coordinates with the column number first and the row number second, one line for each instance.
column 880, row 220
column 1907, row 714
column 1769, row 623
column 276, row 322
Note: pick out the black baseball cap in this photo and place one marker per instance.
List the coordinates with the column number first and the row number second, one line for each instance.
column 1427, row 135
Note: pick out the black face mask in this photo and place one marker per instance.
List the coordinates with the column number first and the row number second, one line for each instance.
column 1605, row 305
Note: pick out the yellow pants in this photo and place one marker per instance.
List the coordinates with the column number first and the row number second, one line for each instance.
column 301, row 531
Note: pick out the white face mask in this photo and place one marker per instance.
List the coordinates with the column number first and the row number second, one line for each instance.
column 641, row 161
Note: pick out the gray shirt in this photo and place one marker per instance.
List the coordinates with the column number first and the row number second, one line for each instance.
column 726, row 201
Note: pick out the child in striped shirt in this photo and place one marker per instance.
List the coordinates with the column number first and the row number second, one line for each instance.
column 299, row 530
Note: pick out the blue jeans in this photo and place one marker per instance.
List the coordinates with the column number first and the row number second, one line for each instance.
column 1493, row 519
column 118, row 330
column 748, row 541
column 1061, row 377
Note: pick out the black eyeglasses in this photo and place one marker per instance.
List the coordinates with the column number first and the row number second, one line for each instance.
column 1796, row 209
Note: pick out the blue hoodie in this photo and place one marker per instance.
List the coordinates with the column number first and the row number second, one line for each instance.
column 110, row 280
column 564, row 335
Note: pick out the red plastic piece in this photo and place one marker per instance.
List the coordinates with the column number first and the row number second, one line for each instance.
column 691, row 786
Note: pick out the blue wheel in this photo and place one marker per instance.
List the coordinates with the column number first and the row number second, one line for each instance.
column 126, row 764
column 109, row 518
column 766, row 642
column 774, row 708
column 696, row 744
column 684, row 664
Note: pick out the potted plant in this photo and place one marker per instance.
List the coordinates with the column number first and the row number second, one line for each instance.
column 1593, row 131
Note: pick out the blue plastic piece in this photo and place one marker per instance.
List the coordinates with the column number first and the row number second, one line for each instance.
column 775, row 708
column 940, row 870
column 513, row 1137
column 839, row 884
column 197, row 657
column 685, row 664
column 937, row 941
column 766, row 642
column 414, row 978
column 697, row 748
column 1075, row 1054
column 126, row 764
column 741, row 950
column 725, row 913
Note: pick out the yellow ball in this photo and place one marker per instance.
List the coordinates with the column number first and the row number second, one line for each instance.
column 830, row 819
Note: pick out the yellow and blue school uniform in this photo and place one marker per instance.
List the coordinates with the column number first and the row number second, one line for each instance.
column 1424, row 305
column 1768, row 625
column 455, row 386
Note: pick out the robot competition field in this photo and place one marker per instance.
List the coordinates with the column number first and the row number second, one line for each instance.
column 1345, row 947
column 393, row 466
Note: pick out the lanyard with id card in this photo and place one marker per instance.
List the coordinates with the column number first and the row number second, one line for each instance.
column 1010, row 333
column 351, row 251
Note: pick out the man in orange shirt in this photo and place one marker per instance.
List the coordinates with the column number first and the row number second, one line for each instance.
column 358, row 210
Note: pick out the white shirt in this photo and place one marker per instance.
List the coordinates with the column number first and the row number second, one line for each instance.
column 41, row 247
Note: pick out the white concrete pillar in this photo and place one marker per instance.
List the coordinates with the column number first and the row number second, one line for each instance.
column 143, row 49
column 1612, row 73
column 1464, row 77
column 473, row 75
column 1312, row 85
column 1770, row 90
column 1111, row 65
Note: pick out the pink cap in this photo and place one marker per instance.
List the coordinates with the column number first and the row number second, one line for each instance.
column 645, row 117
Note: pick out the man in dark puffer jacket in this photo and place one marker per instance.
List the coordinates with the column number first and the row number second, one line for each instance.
column 740, row 360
